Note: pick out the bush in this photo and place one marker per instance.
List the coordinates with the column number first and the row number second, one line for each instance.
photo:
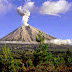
column 70, row 60
column 39, row 61
column 7, row 62
column 68, row 52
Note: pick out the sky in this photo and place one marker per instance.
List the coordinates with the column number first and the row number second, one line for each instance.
column 55, row 22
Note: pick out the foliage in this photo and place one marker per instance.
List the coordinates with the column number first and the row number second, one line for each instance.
column 68, row 52
column 6, row 61
column 39, row 61
column 40, row 37
column 70, row 60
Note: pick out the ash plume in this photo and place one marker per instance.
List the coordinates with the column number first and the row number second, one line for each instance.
column 25, row 10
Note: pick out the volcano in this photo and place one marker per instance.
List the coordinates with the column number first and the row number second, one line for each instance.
column 24, row 33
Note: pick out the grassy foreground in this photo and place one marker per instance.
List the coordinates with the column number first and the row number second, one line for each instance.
column 41, row 60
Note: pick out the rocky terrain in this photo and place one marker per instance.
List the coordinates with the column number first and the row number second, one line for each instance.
column 24, row 33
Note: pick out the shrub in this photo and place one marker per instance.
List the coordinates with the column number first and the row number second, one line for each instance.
column 30, row 62
column 7, row 61
column 40, row 37
column 68, row 52
column 70, row 60
column 41, row 55
column 67, row 57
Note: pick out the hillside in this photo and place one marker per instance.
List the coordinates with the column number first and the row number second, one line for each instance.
column 24, row 33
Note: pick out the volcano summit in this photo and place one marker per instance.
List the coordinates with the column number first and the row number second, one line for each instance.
column 24, row 33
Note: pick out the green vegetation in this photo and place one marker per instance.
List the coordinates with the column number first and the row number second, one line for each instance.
column 40, row 60
column 7, row 62
column 40, row 37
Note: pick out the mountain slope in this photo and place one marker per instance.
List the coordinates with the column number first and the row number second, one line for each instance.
column 24, row 33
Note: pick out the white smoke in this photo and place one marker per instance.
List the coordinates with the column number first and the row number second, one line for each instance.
column 55, row 7
column 59, row 41
column 48, row 7
column 24, row 11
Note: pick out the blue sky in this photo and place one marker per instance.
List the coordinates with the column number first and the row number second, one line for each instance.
column 59, row 27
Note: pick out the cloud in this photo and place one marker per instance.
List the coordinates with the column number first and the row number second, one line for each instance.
column 5, row 6
column 59, row 41
column 27, row 0
column 55, row 7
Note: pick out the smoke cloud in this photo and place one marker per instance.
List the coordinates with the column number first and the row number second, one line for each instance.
column 55, row 7
column 25, row 10
column 48, row 7
column 5, row 6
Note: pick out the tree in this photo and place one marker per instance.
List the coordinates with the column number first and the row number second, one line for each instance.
column 40, row 37
column 41, row 54
column 7, row 62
